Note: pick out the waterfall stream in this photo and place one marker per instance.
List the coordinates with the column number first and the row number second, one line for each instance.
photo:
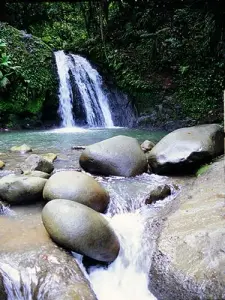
column 137, row 226
column 84, row 99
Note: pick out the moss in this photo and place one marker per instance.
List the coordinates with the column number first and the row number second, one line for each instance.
column 33, row 85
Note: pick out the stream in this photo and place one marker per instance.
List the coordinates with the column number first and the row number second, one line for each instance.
column 136, row 224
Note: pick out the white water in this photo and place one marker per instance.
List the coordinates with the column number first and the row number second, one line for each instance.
column 65, row 91
column 89, row 85
column 127, row 277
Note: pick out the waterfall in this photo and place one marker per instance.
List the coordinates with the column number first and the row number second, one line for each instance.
column 65, row 91
column 84, row 99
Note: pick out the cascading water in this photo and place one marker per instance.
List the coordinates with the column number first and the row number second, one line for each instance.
column 137, row 226
column 84, row 98
column 65, row 91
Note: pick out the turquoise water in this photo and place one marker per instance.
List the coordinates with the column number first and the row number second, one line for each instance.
column 63, row 139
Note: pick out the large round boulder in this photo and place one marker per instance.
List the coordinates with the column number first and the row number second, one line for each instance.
column 37, row 163
column 81, row 229
column 186, row 148
column 18, row 189
column 78, row 187
column 119, row 156
column 21, row 149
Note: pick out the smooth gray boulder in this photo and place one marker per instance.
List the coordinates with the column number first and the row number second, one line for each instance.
column 37, row 163
column 81, row 229
column 78, row 187
column 32, row 266
column 37, row 174
column 119, row 156
column 18, row 189
column 186, row 148
column 189, row 261
column 147, row 146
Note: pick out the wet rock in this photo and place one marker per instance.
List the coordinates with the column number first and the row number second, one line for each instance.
column 78, row 187
column 189, row 261
column 37, row 174
column 159, row 193
column 78, row 147
column 147, row 146
column 80, row 229
column 50, row 157
column 37, row 163
column 119, row 156
column 35, row 267
column 2, row 164
column 186, row 148
column 22, row 149
column 18, row 189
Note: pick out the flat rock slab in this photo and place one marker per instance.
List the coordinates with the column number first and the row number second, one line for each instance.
column 40, row 266
column 189, row 262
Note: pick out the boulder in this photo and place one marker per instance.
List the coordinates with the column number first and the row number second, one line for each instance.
column 159, row 193
column 119, row 156
column 78, row 187
column 189, row 260
column 37, row 174
column 186, row 148
column 18, row 189
column 22, row 149
column 31, row 264
column 50, row 157
column 2, row 164
column 81, row 229
column 147, row 146
column 37, row 163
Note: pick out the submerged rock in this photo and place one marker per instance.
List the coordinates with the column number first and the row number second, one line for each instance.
column 189, row 261
column 186, row 148
column 22, row 149
column 80, row 229
column 119, row 156
column 37, row 163
column 2, row 164
column 18, row 189
column 147, row 146
column 50, row 157
column 78, row 187
column 159, row 193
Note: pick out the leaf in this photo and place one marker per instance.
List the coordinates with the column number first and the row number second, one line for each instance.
column 202, row 170
column 4, row 82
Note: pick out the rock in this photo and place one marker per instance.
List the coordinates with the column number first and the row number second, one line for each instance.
column 119, row 156
column 37, row 163
column 78, row 147
column 147, row 146
column 50, row 157
column 80, row 229
column 18, row 189
column 2, row 164
column 186, row 148
column 78, row 187
column 35, row 267
column 158, row 193
column 22, row 149
column 37, row 174
column 189, row 260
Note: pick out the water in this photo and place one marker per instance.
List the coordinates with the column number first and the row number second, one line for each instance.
column 137, row 226
column 65, row 91
column 85, row 100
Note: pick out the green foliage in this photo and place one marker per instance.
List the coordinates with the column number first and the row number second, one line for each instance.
column 31, row 84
